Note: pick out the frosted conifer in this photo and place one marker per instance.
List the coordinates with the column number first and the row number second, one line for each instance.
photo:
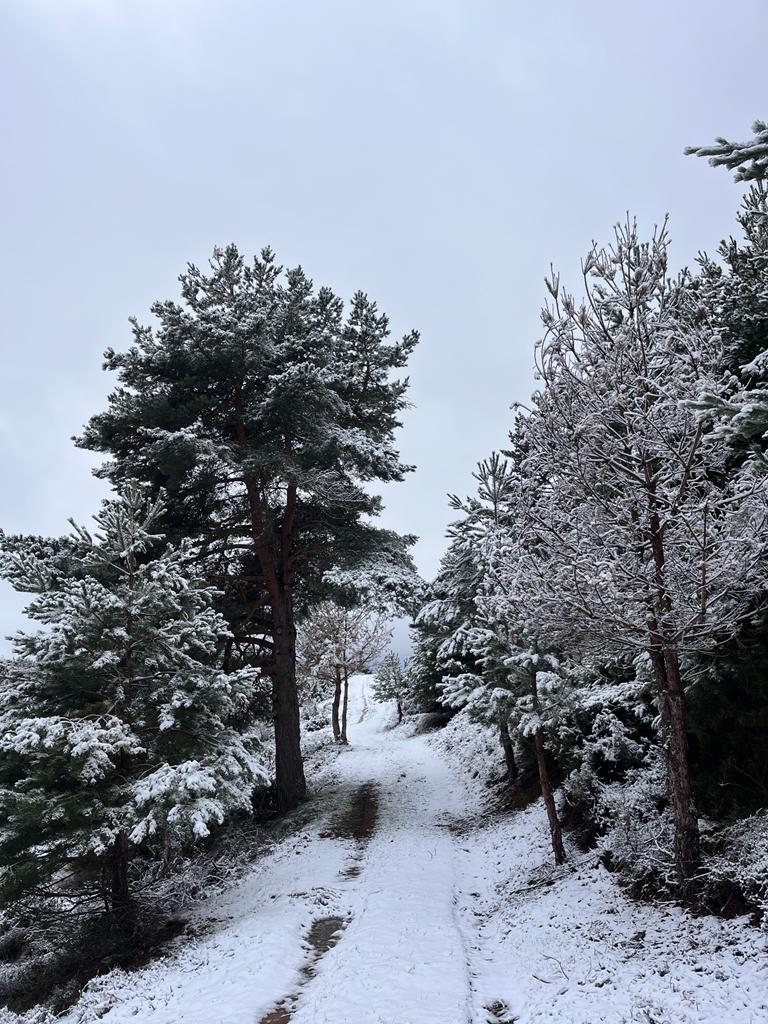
column 119, row 728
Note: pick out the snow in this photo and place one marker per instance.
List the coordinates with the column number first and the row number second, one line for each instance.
column 568, row 945
column 452, row 916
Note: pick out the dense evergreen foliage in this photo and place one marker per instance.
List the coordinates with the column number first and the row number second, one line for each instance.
column 264, row 411
column 603, row 593
column 120, row 728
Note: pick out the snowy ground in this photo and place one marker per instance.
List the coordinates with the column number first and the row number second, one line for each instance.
column 443, row 914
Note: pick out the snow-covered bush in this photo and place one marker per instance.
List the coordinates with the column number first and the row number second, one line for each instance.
column 637, row 824
column 741, row 860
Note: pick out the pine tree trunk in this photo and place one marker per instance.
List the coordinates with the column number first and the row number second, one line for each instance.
column 290, row 785
column 344, row 708
column 335, row 707
column 666, row 666
column 508, row 748
column 555, row 831
column 687, row 853
column 120, row 897
column 399, row 711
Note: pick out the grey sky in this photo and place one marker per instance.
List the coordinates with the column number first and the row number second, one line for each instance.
column 437, row 154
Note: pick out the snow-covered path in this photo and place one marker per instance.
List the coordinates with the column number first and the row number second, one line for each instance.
column 442, row 912
column 401, row 957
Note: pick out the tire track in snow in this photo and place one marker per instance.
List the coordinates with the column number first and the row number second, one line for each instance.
column 357, row 822
column 323, row 935
column 404, row 958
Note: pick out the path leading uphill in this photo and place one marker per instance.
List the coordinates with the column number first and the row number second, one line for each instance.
column 397, row 897
column 352, row 919
column 402, row 955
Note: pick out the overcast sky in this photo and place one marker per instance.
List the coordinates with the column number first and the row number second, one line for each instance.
column 437, row 154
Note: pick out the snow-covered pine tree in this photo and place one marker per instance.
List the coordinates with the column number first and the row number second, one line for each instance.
column 120, row 730
column 735, row 293
column 335, row 643
column 472, row 653
column 390, row 681
column 639, row 546
column 489, row 665
column 516, row 655
column 265, row 412
column 423, row 676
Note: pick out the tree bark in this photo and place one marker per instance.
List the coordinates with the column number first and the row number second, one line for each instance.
column 335, row 707
column 666, row 667
column 399, row 711
column 290, row 784
column 555, row 830
column 120, row 897
column 344, row 708
column 274, row 559
column 508, row 748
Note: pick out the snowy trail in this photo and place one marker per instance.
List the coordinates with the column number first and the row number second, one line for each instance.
column 442, row 912
column 401, row 958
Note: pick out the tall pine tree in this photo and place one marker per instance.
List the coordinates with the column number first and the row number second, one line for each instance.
column 265, row 412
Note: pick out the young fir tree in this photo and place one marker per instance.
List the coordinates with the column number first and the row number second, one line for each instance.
column 265, row 412
column 440, row 624
column 472, row 651
column 119, row 726
column 391, row 682
column 334, row 643
column 518, row 680
column 423, row 675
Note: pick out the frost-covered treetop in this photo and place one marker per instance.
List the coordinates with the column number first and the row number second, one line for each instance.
column 618, row 461
column 257, row 374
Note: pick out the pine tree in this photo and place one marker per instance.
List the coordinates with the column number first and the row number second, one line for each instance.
column 473, row 652
column 489, row 665
column 749, row 159
column 265, row 412
column 390, row 682
column 636, row 543
column 119, row 728
column 424, row 676
column 520, row 667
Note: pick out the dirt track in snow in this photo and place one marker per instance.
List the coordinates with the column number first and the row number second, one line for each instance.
column 356, row 822
column 400, row 954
